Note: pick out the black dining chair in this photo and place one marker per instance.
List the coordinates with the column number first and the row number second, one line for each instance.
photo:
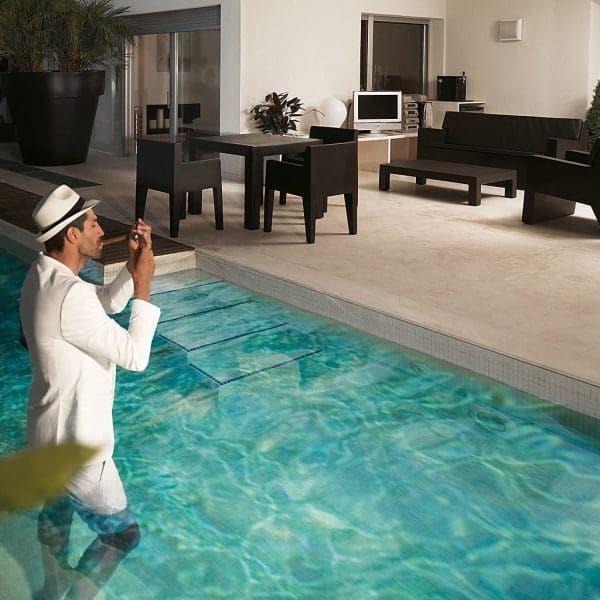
column 329, row 135
column 328, row 170
column 160, row 167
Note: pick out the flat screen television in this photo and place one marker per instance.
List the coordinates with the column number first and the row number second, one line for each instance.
column 375, row 111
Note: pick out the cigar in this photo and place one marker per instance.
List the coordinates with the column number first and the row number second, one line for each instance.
column 115, row 240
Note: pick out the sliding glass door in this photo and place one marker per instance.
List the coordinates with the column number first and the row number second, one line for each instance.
column 172, row 84
column 194, row 89
column 198, row 80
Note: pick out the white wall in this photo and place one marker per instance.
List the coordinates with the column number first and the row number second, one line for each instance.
column 594, row 74
column 547, row 73
column 319, row 59
column 311, row 49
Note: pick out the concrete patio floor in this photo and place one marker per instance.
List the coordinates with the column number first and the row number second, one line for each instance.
column 422, row 256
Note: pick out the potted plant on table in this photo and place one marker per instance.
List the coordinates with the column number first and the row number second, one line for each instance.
column 277, row 114
column 55, row 48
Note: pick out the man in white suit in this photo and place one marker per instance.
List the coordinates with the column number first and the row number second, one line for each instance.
column 74, row 347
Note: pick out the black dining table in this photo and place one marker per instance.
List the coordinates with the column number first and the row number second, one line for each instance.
column 253, row 147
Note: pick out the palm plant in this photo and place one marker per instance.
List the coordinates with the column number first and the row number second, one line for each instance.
column 277, row 114
column 92, row 31
column 26, row 32
column 63, row 35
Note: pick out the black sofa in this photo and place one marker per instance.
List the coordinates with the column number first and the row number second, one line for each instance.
column 504, row 141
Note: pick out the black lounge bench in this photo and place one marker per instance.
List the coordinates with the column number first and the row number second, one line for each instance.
column 473, row 175
column 504, row 141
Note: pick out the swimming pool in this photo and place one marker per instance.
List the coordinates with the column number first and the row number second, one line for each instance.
column 269, row 453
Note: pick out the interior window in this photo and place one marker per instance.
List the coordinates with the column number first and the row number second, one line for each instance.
column 393, row 55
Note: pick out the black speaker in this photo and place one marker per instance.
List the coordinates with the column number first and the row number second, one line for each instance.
column 452, row 87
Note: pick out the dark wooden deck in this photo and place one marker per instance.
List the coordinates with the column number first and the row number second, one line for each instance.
column 16, row 206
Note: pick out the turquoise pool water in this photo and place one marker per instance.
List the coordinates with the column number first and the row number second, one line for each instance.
column 268, row 453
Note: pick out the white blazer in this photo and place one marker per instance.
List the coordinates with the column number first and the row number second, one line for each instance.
column 74, row 347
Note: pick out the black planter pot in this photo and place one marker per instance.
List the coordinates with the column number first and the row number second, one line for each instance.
column 53, row 114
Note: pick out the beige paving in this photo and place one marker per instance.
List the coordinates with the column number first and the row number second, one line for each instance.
column 421, row 254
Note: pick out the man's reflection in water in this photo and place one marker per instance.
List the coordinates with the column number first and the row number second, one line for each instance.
column 117, row 534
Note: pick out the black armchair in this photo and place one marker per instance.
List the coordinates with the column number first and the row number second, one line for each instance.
column 160, row 167
column 328, row 170
column 579, row 156
column 329, row 135
column 554, row 186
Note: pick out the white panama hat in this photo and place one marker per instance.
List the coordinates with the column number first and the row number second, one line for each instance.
column 57, row 209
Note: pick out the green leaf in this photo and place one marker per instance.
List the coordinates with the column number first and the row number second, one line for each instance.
column 32, row 476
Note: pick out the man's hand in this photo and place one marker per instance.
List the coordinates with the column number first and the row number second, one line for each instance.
column 139, row 232
column 141, row 259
